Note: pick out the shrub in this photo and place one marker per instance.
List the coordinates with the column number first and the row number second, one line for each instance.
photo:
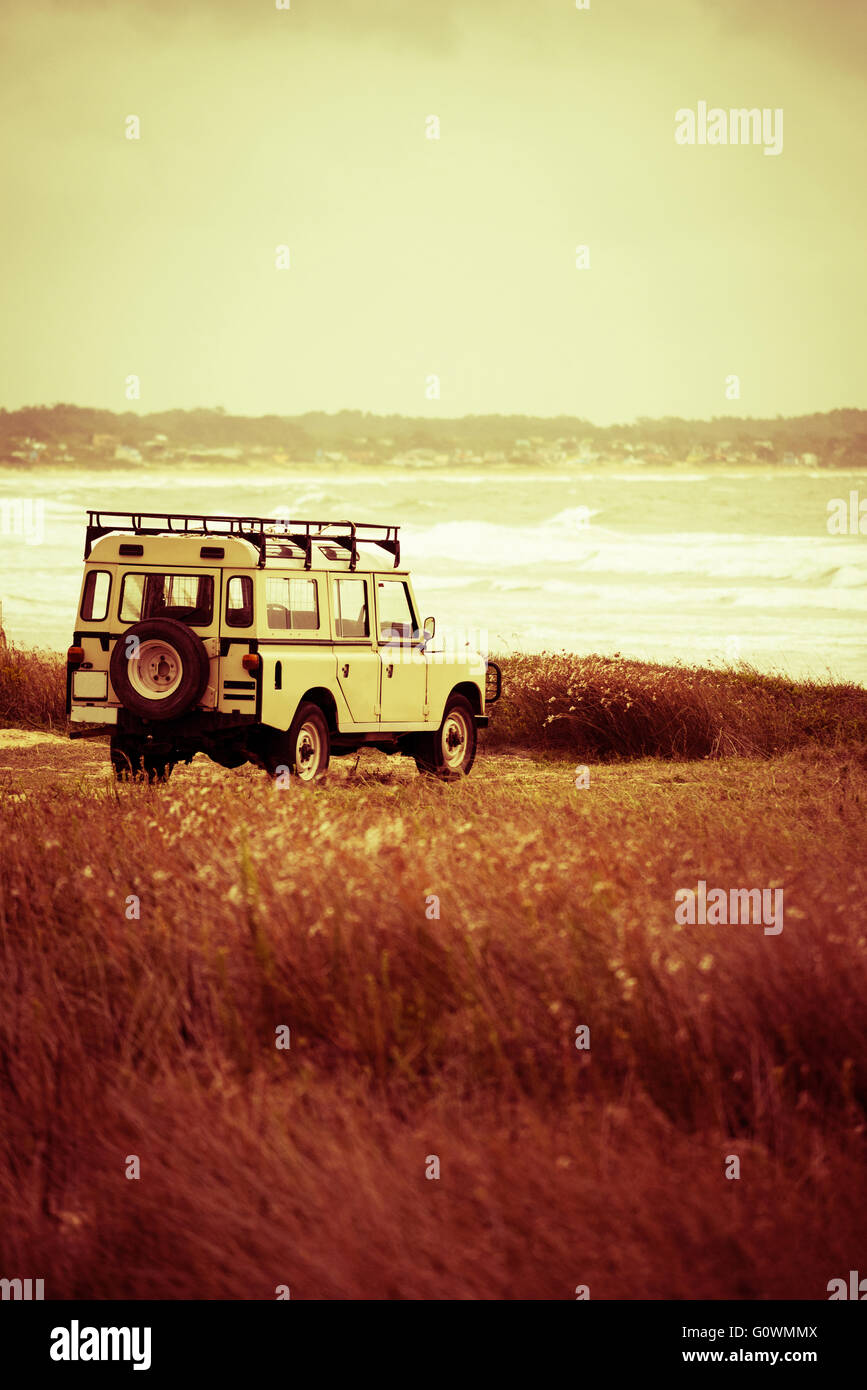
column 607, row 707
column 32, row 689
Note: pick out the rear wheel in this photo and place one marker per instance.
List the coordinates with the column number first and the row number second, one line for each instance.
column 228, row 756
column 450, row 752
column 132, row 762
column 304, row 751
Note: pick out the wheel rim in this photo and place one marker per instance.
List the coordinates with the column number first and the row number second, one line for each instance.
column 157, row 670
column 455, row 740
column 308, row 751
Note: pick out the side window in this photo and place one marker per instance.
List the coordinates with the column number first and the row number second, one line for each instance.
column 292, row 604
column 350, row 616
column 94, row 602
column 239, row 601
column 394, row 612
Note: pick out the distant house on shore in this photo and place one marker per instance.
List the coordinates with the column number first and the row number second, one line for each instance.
column 225, row 452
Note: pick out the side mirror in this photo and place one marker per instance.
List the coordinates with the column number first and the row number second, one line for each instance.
column 430, row 627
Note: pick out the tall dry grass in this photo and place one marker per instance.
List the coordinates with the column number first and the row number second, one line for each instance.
column 595, row 706
column 32, row 689
column 610, row 707
column 414, row 1035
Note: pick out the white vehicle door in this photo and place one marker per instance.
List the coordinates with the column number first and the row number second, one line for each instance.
column 403, row 662
column 357, row 660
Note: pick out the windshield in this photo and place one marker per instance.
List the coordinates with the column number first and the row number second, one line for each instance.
column 187, row 597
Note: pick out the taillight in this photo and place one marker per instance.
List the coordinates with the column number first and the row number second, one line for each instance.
column 252, row 662
column 75, row 656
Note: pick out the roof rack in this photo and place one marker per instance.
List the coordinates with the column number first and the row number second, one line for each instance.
column 258, row 530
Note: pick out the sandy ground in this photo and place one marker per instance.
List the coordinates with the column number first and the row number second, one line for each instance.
column 33, row 761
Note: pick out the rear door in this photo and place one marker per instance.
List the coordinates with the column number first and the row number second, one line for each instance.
column 356, row 657
column 189, row 595
column 90, row 683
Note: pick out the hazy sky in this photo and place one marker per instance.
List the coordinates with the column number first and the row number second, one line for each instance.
column 412, row 257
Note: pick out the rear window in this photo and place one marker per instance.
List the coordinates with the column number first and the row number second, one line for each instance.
column 94, row 600
column 189, row 598
column 239, row 601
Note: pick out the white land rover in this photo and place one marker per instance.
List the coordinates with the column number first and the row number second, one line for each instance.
column 267, row 641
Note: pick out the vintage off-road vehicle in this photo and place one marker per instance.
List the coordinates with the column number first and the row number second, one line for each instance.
column 264, row 640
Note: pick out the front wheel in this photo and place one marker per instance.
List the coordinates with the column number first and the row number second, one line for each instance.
column 450, row 752
column 304, row 751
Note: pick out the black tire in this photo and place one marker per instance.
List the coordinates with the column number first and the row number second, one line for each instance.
column 304, row 751
column 157, row 771
column 451, row 751
column 132, row 762
column 230, row 757
column 166, row 650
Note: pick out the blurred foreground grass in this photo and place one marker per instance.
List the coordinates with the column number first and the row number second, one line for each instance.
column 432, row 950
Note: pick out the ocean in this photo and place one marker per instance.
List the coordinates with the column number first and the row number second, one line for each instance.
column 706, row 566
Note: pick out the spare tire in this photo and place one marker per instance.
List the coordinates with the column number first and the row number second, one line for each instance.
column 163, row 672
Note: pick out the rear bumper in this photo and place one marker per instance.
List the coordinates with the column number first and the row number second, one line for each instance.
column 481, row 721
column 195, row 723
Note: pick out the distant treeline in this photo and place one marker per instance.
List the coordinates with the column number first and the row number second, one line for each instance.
column 836, row 437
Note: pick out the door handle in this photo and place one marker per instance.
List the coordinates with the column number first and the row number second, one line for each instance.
column 389, row 670
column 346, row 669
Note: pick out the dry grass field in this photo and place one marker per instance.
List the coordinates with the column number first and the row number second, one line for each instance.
column 432, row 950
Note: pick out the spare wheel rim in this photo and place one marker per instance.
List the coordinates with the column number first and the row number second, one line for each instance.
column 156, row 671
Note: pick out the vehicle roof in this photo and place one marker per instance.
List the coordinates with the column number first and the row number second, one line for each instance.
column 185, row 551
